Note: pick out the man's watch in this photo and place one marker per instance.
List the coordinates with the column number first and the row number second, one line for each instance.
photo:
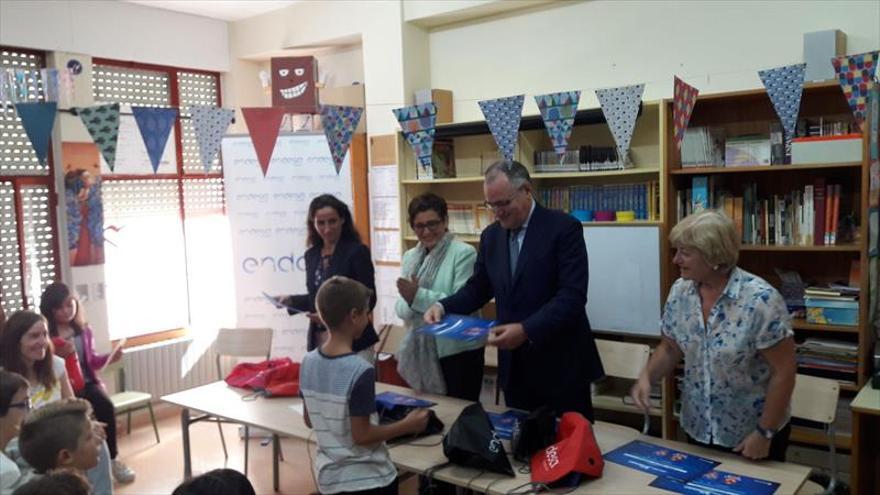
column 765, row 432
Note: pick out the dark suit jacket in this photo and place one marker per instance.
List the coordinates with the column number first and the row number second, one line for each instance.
column 350, row 259
column 548, row 295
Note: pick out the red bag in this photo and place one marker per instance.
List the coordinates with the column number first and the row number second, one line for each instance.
column 71, row 363
column 575, row 451
column 272, row 378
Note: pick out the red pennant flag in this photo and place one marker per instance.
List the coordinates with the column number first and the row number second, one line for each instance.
column 683, row 104
column 263, row 125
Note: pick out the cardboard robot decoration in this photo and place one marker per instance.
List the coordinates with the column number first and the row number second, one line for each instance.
column 293, row 84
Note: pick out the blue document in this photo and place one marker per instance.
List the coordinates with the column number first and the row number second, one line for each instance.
column 390, row 400
column 662, row 461
column 505, row 423
column 718, row 483
column 459, row 327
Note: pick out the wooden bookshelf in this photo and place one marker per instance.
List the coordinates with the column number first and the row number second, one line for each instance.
column 750, row 112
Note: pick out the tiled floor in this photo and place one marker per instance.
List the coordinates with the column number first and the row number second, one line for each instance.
column 159, row 466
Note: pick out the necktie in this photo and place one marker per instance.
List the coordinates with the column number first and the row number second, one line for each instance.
column 513, row 244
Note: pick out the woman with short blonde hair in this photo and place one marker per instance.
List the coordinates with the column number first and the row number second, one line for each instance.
column 733, row 331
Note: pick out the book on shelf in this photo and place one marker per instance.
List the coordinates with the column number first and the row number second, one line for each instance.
column 443, row 159
column 747, row 151
column 642, row 198
column 699, row 193
column 702, row 146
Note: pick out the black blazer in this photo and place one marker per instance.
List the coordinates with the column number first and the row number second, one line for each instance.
column 548, row 295
column 350, row 259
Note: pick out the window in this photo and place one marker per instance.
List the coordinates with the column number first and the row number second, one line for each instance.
column 28, row 246
column 168, row 256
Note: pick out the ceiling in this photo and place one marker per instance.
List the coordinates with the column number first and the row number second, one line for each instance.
column 226, row 10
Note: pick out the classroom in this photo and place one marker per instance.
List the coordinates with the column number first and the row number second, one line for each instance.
column 431, row 247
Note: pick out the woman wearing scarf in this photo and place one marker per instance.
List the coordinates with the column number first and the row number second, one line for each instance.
column 435, row 268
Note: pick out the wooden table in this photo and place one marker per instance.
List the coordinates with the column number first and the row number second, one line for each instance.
column 865, row 433
column 281, row 416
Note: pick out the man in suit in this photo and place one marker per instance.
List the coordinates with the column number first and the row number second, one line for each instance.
column 533, row 261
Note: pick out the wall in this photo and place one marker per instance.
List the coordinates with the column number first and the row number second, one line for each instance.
column 118, row 30
column 716, row 46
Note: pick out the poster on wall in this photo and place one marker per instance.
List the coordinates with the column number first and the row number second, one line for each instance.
column 82, row 199
column 267, row 219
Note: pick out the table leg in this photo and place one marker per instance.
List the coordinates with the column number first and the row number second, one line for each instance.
column 276, row 450
column 184, row 429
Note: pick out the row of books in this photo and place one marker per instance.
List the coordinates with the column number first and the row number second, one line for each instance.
column 643, row 198
column 584, row 159
column 808, row 217
column 835, row 359
column 824, row 127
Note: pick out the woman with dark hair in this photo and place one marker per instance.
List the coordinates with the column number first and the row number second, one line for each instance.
column 73, row 340
column 334, row 248
column 14, row 405
column 436, row 267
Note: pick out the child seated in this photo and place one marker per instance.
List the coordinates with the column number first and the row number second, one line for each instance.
column 14, row 405
column 60, row 435
column 61, row 482
column 339, row 399
column 216, row 482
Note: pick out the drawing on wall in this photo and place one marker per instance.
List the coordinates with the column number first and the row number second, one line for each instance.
column 85, row 209
column 293, row 84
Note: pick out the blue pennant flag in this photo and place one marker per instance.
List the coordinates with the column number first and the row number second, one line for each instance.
column 37, row 118
column 785, row 85
column 503, row 116
column 155, row 125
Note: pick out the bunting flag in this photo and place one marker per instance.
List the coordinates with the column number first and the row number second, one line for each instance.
column 621, row 108
column 263, row 125
column 503, row 116
column 785, row 85
column 155, row 125
column 210, row 124
column 102, row 122
column 558, row 111
column 856, row 75
column 685, row 96
column 339, row 124
column 418, row 122
column 37, row 118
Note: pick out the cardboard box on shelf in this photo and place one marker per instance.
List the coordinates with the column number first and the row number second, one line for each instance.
column 442, row 98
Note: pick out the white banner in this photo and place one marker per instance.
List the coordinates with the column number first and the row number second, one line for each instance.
column 267, row 218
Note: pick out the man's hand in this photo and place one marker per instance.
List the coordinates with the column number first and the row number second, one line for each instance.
column 434, row 314
column 508, row 336
column 408, row 288
column 754, row 446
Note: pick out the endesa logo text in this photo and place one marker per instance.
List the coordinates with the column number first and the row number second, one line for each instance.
column 275, row 264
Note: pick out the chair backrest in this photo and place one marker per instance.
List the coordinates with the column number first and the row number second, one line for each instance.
column 623, row 359
column 815, row 399
column 391, row 339
column 243, row 342
column 119, row 368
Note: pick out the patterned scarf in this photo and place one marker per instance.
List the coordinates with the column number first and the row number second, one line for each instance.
column 426, row 264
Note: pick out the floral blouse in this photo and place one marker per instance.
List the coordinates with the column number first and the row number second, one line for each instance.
column 725, row 378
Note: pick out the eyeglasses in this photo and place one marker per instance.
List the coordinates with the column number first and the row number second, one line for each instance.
column 429, row 225
column 504, row 203
column 26, row 405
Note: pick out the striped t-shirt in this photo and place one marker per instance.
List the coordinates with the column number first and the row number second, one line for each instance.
column 334, row 389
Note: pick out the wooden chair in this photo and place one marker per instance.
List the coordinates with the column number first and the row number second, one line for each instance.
column 127, row 401
column 622, row 360
column 240, row 342
column 815, row 399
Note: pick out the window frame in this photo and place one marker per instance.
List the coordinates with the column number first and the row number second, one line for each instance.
column 181, row 175
column 48, row 181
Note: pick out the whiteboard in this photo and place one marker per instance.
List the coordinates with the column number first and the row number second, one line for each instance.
column 267, row 223
column 624, row 290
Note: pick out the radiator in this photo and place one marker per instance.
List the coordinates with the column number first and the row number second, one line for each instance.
column 170, row 366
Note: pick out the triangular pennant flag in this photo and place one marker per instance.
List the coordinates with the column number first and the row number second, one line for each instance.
column 785, row 85
column 856, row 76
column 37, row 118
column 684, row 98
column 418, row 122
column 102, row 122
column 210, row 123
column 503, row 116
column 155, row 126
column 558, row 111
column 621, row 108
column 263, row 125
column 339, row 124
